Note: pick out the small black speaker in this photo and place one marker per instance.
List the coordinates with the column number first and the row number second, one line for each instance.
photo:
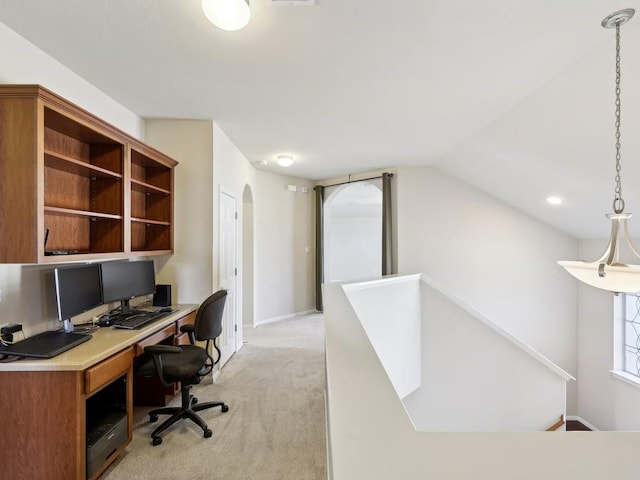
column 162, row 297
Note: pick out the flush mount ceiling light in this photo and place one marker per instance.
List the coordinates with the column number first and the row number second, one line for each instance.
column 284, row 160
column 608, row 273
column 227, row 14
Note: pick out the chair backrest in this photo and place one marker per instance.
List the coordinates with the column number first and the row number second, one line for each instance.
column 208, row 323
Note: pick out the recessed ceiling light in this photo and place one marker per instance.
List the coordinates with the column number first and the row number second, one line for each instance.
column 284, row 160
column 554, row 200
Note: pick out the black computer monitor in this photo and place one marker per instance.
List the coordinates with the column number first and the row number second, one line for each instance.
column 78, row 289
column 122, row 281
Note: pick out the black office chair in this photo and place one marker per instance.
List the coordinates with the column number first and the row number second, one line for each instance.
column 187, row 364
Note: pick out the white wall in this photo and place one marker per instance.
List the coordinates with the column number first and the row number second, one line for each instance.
column 231, row 173
column 23, row 63
column 248, row 254
column 209, row 163
column 190, row 269
column 494, row 258
column 389, row 311
column 283, row 231
column 371, row 437
column 476, row 378
column 283, row 221
column 27, row 290
column 604, row 401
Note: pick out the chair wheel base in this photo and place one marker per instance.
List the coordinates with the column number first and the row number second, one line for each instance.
column 225, row 408
column 157, row 441
column 153, row 418
column 208, row 433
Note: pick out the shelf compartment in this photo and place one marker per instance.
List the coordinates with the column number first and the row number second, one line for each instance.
column 67, row 189
column 85, row 232
column 59, row 161
column 151, row 206
column 150, row 236
column 72, row 139
column 148, row 171
column 143, row 187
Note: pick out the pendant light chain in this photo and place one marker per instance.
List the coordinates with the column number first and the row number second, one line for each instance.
column 609, row 272
column 618, row 202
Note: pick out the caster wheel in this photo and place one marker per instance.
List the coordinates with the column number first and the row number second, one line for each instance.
column 153, row 418
column 194, row 400
column 225, row 408
column 208, row 433
column 156, row 441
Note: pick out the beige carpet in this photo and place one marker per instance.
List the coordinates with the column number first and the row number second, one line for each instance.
column 275, row 426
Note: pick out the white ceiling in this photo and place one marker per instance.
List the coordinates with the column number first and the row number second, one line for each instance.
column 512, row 96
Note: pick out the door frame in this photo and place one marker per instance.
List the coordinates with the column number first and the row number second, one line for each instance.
column 227, row 349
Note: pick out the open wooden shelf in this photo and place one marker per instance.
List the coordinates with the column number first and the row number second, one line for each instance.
column 151, row 203
column 77, row 181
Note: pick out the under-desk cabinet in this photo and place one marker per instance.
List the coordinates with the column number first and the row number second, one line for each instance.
column 48, row 416
column 75, row 187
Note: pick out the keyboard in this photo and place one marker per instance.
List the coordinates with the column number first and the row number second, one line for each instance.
column 138, row 320
column 46, row 344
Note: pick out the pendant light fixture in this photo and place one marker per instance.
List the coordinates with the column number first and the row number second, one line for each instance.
column 227, row 14
column 608, row 272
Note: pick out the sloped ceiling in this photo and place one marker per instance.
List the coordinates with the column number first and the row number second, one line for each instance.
column 514, row 97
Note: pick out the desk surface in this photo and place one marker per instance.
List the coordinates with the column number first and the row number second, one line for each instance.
column 105, row 342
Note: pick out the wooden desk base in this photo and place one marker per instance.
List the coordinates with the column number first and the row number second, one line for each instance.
column 43, row 428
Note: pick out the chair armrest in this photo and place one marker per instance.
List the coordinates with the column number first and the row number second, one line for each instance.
column 159, row 349
column 189, row 328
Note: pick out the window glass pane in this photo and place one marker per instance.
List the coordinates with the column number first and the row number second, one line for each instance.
column 631, row 334
column 631, row 362
column 631, row 305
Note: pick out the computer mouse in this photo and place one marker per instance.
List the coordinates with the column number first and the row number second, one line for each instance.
column 105, row 322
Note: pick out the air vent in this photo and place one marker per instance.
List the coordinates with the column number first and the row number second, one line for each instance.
column 292, row 3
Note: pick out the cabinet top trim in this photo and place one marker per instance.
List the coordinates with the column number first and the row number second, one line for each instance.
column 66, row 107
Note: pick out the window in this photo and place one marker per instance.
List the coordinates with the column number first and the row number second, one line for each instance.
column 627, row 334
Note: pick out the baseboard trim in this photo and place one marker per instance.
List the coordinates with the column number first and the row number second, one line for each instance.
column 582, row 421
column 283, row 317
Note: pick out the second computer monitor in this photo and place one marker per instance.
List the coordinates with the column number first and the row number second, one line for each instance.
column 122, row 281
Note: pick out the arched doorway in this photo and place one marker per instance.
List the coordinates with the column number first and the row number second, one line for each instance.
column 352, row 232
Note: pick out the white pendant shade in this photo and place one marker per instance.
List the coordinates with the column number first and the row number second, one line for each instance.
column 227, row 14
column 609, row 272
column 618, row 278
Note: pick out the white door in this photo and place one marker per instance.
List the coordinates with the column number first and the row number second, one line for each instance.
column 228, row 273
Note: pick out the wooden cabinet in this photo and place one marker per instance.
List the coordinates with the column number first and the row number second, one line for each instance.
column 75, row 187
column 52, row 407
column 46, row 416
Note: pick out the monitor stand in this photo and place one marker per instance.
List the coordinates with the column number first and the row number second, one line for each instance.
column 126, row 310
column 68, row 325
